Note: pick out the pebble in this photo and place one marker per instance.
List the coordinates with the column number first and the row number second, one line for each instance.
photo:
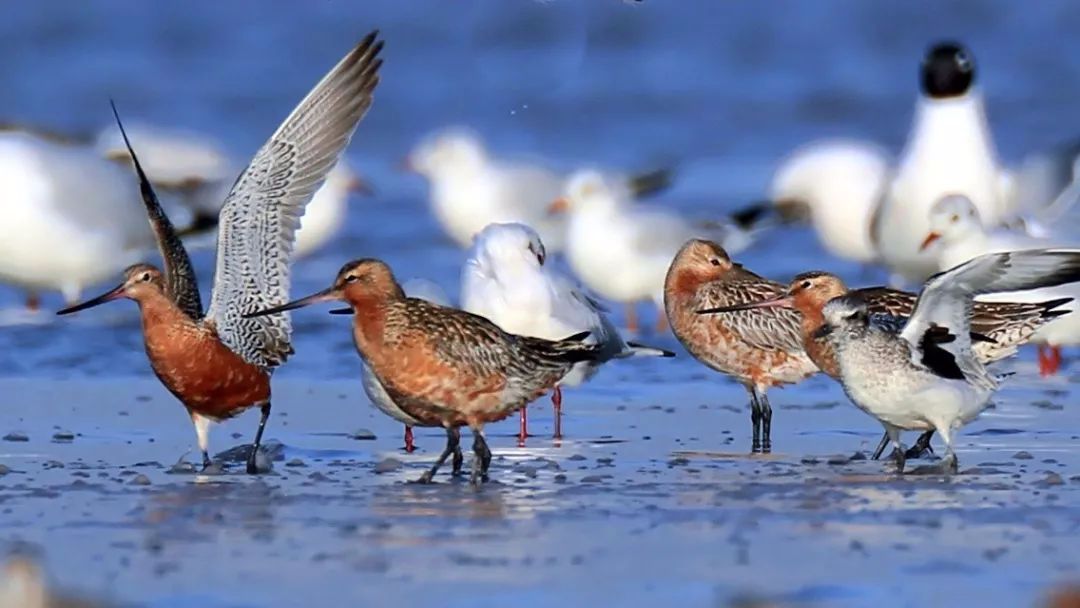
column 362, row 435
column 4, row 470
column 63, row 436
column 388, row 465
column 1052, row 479
column 16, row 436
column 140, row 480
column 295, row 462
column 1022, row 455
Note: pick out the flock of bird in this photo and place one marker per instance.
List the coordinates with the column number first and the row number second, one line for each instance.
column 524, row 329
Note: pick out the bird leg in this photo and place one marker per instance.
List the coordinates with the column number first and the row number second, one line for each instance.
column 481, row 458
column 755, row 420
column 409, row 445
column 523, row 426
column 880, row 446
column 33, row 301
column 556, row 406
column 631, row 317
column 898, row 452
column 453, row 446
column 1049, row 360
column 459, row 459
column 766, row 423
column 252, row 468
column 922, row 445
column 206, row 462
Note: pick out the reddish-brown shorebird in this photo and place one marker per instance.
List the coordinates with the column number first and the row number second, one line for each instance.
column 997, row 328
column 218, row 364
column 760, row 349
column 443, row 366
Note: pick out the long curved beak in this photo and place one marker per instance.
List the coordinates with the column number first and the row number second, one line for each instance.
column 930, row 238
column 783, row 301
column 329, row 294
column 559, row 205
column 113, row 294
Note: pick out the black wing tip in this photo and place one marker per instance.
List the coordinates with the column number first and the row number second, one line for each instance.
column 578, row 337
column 663, row 352
column 1050, row 308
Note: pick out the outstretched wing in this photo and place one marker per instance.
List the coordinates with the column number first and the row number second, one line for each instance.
column 943, row 311
column 262, row 212
column 180, row 281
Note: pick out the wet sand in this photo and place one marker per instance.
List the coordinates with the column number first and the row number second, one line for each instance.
column 650, row 498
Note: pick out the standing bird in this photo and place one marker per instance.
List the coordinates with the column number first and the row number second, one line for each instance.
column 218, row 364
column 506, row 280
column 949, row 150
column 618, row 249
column 957, row 235
column 997, row 328
column 444, row 366
column 928, row 376
column 759, row 349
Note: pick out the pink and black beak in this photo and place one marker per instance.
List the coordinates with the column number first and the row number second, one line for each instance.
column 783, row 301
column 930, row 238
column 330, row 294
column 114, row 294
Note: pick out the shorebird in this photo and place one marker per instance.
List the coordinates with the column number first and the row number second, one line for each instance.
column 834, row 185
column 506, row 280
column 760, row 349
column 374, row 389
column 997, row 328
column 471, row 189
column 927, row 376
column 444, row 366
column 218, row 364
column 956, row 235
column 619, row 250
column 949, row 150
column 198, row 169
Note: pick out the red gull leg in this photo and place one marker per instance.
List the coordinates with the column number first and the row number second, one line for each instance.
column 409, row 445
column 1045, row 364
column 1055, row 359
column 33, row 302
column 556, row 406
column 523, row 431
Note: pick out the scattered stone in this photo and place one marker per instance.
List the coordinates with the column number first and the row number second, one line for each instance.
column 16, row 436
column 576, row 457
column 63, row 436
column 295, row 462
column 560, row 478
column 809, row 460
column 181, row 468
column 1051, row 479
column 858, row 456
column 4, row 470
column 838, row 460
column 605, row 461
column 362, row 435
column 1022, row 455
column 594, row 478
column 140, row 480
column 678, row 462
column 317, row 476
column 388, row 465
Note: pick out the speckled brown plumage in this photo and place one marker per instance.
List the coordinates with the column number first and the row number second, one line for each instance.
column 759, row 348
column 443, row 366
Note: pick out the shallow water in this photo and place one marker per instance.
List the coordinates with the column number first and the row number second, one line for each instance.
column 651, row 497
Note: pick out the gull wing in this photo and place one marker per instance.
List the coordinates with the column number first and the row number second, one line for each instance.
column 180, row 282
column 260, row 216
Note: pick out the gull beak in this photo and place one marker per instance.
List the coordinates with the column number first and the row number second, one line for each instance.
column 822, row 332
column 360, row 186
column 113, row 294
column 930, row 238
column 329, row 294
column 559, row 205
column 783, row 301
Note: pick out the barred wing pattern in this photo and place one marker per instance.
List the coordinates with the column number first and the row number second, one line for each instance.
column 262, row 212
column 765, row 328
column 181, row 284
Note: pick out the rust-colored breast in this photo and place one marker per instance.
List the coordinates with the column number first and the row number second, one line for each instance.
column 199, row 370
column 819, row 350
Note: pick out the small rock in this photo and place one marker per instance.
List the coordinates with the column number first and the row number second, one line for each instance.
column 594, row 478
column 1022, row 455
column 362, row 435
column 317, row 476
column 63, row 436
column 837, row 460
column 388, row 465
column 295, row 462
column 16, row 436
column 858, row 456
column 1052, row 479
column 140, row 480
column 4, row 470
column 181, row 468
column 809, row 460
column 678, row 462
column 576, row 457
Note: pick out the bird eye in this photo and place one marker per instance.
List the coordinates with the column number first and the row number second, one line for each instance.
column 805, row 285
column 955, row 218
column 145, row 277
column 855, row 316
column 352, row 278
column 963, row 62
column 714, row 261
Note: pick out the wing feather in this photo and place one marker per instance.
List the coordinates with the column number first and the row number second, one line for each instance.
column 261, row 214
